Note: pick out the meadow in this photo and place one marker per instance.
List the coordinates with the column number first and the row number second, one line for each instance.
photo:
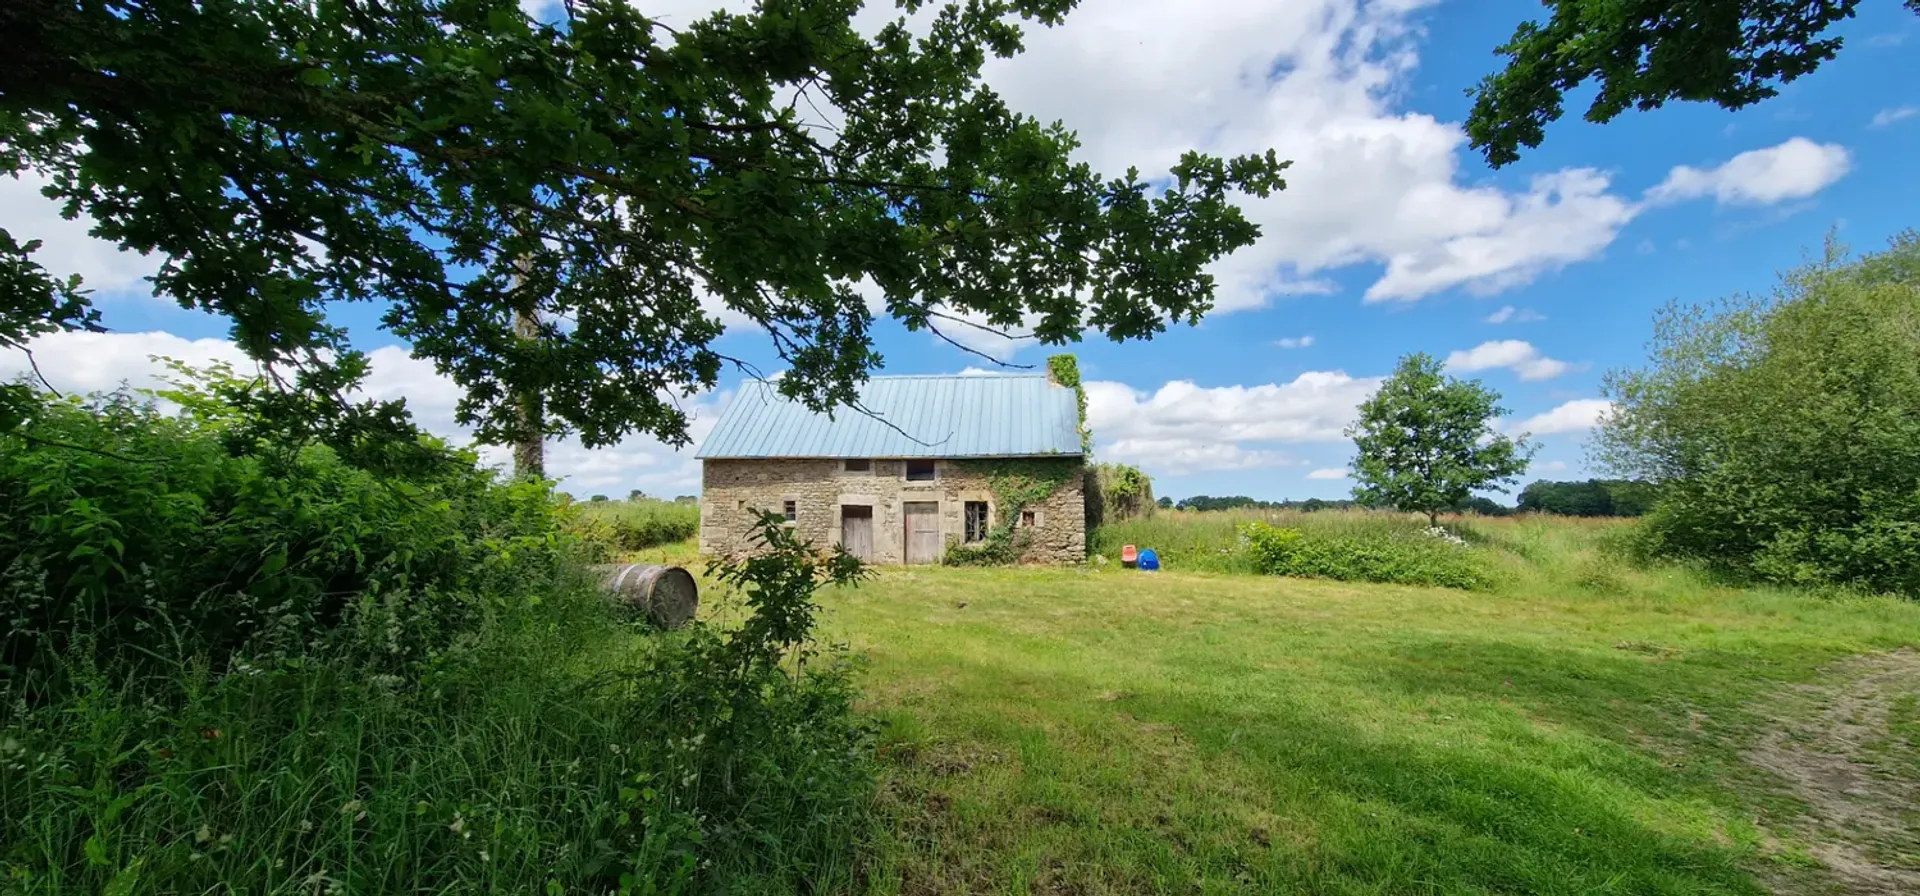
column 1584, row 727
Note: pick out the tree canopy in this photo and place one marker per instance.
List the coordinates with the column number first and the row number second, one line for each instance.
column 1784, row 429
column 607, row 183
column 1643, row 54
column 1594, row 497
column 1426, row 441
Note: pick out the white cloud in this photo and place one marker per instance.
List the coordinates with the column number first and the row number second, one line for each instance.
column 67, row 247
column 1552, row 466
column 1892, row 114
column 1328, row 473
column 1578, row 415
column 94, row 362
column 1795, row 169
column 1520, row 357
column 1510, row 314
column 1182, row 427
column 1324, row 83
column 1294, row 341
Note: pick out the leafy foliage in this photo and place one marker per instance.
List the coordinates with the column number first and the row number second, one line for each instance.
column 121, row 529
column 1594, row 497
column 606, row 179
column 1065, row 370
column 1117, row 492
column 551, row 757
column 1644, row 53
column 1784, row 430
column 1426, row 441
column 1418, row 558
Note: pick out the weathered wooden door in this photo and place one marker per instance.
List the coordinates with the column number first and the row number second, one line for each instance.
column 856, row 531
column 923, row 531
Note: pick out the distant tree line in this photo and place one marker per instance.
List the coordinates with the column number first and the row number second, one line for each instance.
column 1594, row 497
column 1236, row 502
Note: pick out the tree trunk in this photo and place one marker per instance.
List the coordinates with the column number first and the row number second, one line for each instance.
column 1433, row 519
column 529, row 443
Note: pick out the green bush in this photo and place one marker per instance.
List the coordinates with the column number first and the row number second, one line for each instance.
column 1402, row 557
column 611, row 528
column 283, row 674
column 128, row 530
column 1784, row 430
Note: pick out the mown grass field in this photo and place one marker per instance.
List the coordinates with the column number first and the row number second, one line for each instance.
column 1586, row 728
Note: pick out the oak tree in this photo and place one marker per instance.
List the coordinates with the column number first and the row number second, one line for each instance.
column 1643, row 54
column 555, row 213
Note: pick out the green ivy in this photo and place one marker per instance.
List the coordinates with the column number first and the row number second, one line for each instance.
column 1016, row 483
column 1065, row 370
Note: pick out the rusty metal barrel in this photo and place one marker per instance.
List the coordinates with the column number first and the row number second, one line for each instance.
column 667, row 595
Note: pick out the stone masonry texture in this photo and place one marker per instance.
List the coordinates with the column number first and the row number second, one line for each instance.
column 734, row 489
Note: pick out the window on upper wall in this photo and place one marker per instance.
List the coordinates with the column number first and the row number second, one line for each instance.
column 1027, row 518
column 976, row 521
column 791, row 510
column 858, row 465
column 920, row 471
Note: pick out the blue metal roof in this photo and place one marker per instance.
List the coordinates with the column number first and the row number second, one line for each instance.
column 912, row 416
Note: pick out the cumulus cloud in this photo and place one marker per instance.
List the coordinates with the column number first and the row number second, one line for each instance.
column 1294, row 342
column 1513, row 354
column 1795, row 169
column 1578, row 415
column 1890, row 115
column 1552, row 466
column 67, row 247
column 1184, row 428
column 1328, row 473
column 1509, row 314
column 95, row 362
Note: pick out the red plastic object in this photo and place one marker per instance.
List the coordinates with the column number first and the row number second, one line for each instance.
column 1129, row 556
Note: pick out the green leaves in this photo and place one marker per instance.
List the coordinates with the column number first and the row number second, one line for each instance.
column 1426, row 441
column 619, row 180
column 1645, row 53
column 1785, row 430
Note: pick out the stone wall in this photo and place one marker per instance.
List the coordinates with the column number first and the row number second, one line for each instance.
column 732, row 490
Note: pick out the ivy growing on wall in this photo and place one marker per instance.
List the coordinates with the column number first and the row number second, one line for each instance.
column 1065, row 370
column 1016, row 483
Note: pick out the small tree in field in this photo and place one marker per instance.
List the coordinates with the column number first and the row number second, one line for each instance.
column 1426, row 441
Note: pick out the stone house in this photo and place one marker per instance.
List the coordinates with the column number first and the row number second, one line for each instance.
column 914, row 473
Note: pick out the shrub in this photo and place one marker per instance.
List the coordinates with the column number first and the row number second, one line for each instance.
column 221, row 724
column 1785, row 430
column 126, row 530
column 1411, row 558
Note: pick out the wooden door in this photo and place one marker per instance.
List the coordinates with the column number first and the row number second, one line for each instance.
column 856, row 531
column 923, row 531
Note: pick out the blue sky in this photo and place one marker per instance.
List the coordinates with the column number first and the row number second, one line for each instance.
column 1391, row 238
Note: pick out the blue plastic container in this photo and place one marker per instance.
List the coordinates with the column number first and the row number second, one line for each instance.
column 1149, row 561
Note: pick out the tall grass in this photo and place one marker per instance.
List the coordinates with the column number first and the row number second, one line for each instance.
column 1353, row 545
column 619, row 527
column 554, row 758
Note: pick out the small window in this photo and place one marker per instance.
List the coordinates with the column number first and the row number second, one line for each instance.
column 859, row 465
column 976, row 521
column 791, row 510
column 1027, row 519
column 919, row 471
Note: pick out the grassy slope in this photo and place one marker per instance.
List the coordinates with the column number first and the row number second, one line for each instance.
column 1079, row 731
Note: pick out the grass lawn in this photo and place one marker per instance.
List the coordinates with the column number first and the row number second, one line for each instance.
column 1587, row 728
